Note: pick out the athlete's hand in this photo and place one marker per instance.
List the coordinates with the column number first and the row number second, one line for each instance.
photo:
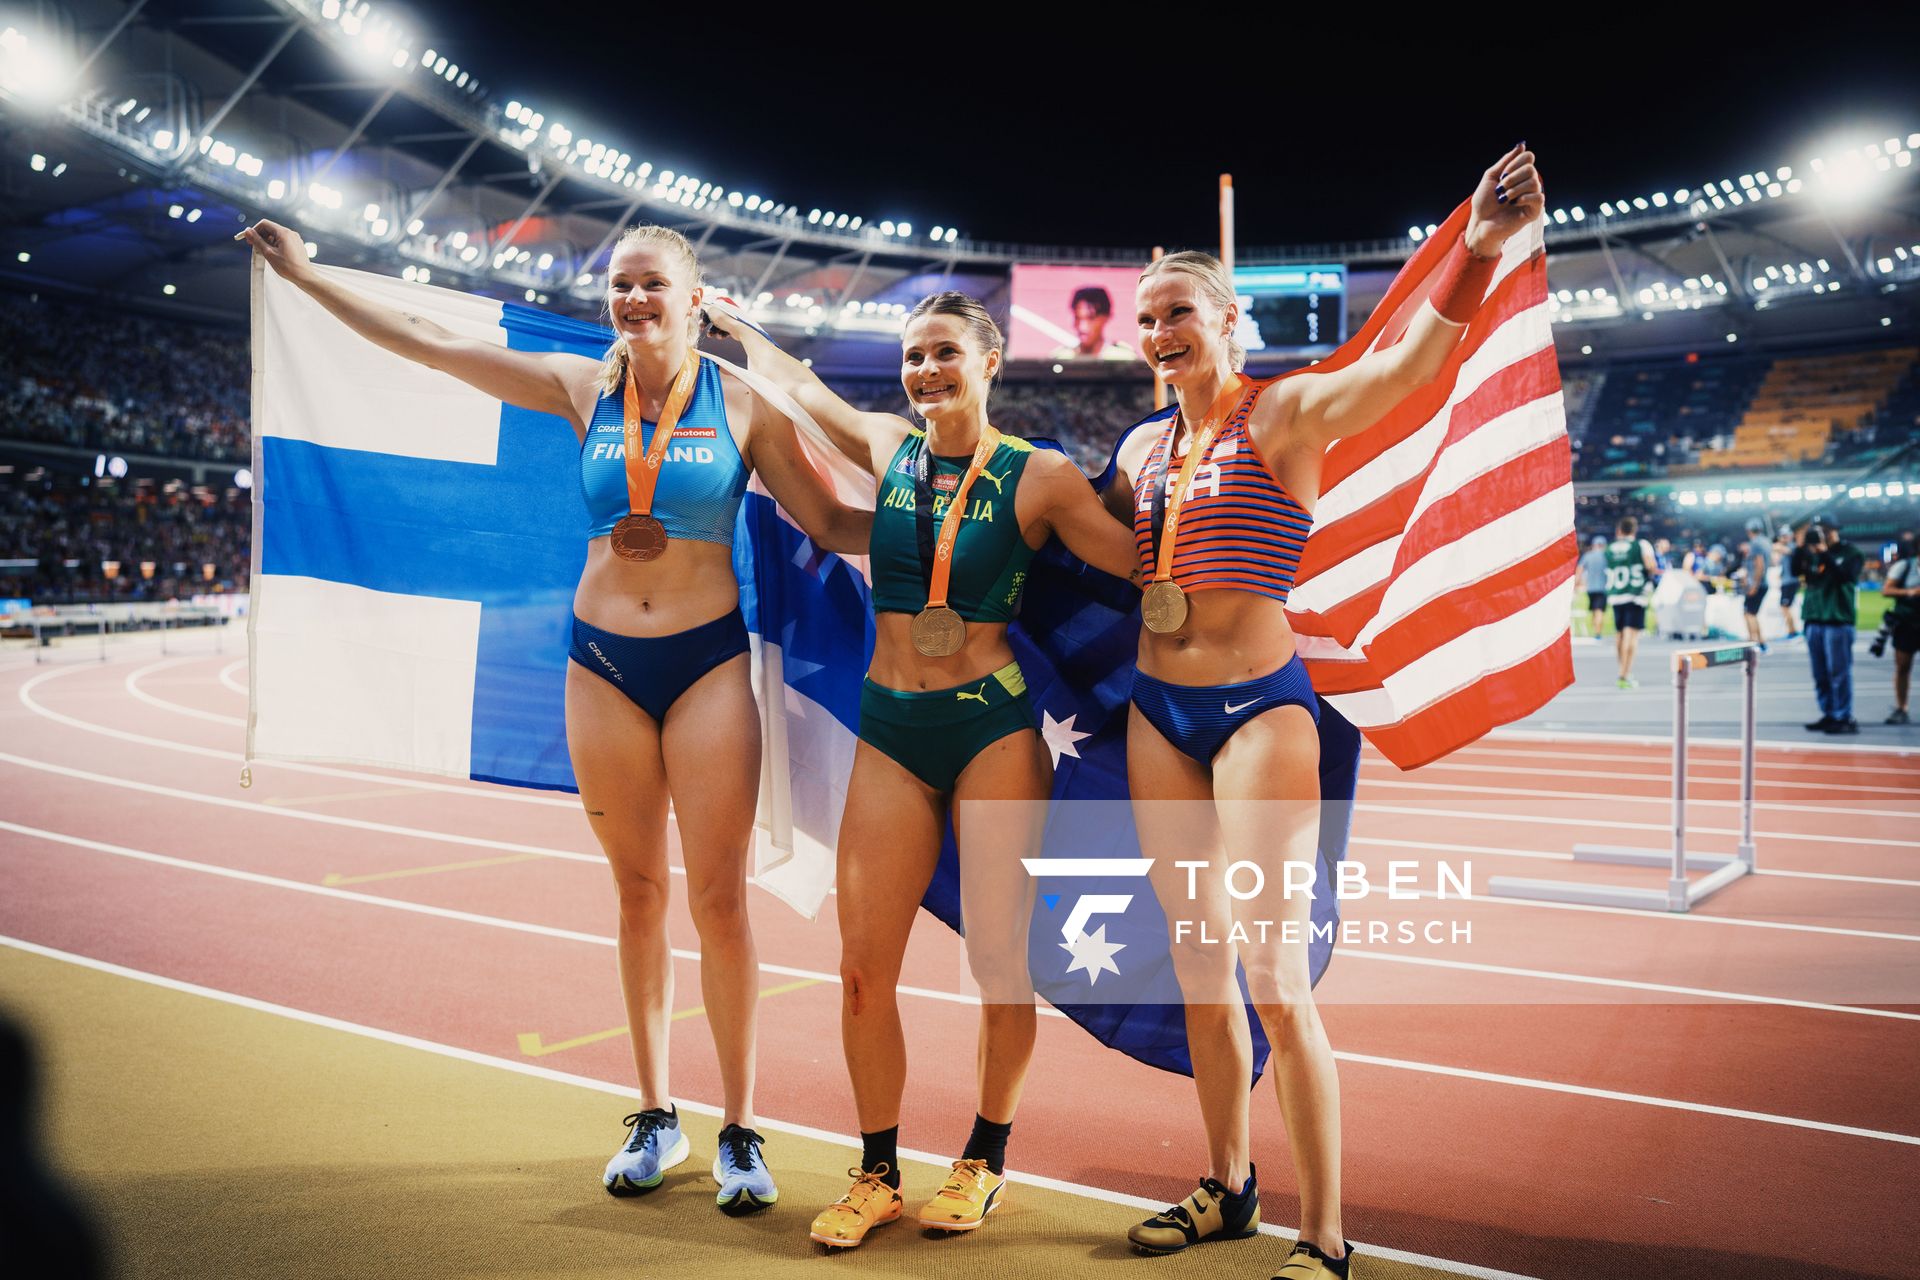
column 722, row 316
column 282, row 248
column 1509, row 196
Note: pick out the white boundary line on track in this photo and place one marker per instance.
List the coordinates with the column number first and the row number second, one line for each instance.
column 517, row 795
column 1643, row 740
column 950, row 997
column 1429, row 846
column 226, row 677
column 25, row 694
column 699, row 1108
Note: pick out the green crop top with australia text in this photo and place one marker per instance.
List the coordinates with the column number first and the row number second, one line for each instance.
column 990, row 557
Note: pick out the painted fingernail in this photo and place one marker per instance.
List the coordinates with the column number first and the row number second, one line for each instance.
column 1501, row 199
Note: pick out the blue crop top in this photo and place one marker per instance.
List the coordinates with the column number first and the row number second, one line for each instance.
column 701, row 480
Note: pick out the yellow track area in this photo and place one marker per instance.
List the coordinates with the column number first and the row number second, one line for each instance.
column 209, row 1139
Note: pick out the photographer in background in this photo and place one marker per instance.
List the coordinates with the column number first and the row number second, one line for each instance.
column 1902, row 623
column 1788, row 555
column 1829, row 573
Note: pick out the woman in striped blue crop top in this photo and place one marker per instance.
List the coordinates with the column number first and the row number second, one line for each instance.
column 658, row 702
column 1223, row 752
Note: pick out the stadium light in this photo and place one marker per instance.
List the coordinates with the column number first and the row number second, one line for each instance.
column 168, row 289
column 38, row 70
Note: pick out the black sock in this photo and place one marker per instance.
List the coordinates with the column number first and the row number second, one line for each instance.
column 881, row 1148
column 988, row 1142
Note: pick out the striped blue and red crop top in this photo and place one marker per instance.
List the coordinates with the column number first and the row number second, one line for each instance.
column 1239, row 527
column 701, row 480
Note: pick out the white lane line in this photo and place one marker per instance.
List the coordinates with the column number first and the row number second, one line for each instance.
column 1549, row 975
column 226, row 677
column 1661, row 760
column 1598, row 822
column 1454, row 788
column 132, row 684
column 302, row 815
column 1544, row 856
column 514, row 794
column 572, row 935
column 1387, row 769
column 477, row 842
column 1644, row 740
column 442, row 913
column 932, row 1160
column 1639, row 1099
column 1679, row 917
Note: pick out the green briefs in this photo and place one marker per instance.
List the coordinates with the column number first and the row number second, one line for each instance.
column 935, row 735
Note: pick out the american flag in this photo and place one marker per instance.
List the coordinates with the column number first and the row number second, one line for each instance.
column 1431, row 601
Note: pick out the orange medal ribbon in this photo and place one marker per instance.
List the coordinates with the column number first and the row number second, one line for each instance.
column 939, row 631
column 640, row 536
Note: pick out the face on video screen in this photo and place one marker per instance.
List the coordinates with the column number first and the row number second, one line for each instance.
column 1067, row 313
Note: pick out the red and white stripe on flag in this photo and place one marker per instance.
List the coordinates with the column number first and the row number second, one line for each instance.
column 1431, row 600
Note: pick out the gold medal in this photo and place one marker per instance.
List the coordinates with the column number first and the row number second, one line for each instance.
column 639, row 538
column 938, row 632
column 1164, row 607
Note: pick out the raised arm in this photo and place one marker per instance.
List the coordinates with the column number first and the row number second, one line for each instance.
column 774, row 454
column 1070, row 508
column 543, row 382
column 870, row 439
column 1327, row 406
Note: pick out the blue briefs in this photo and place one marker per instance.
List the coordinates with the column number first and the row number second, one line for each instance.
column 1199, row 719
column 653, row 671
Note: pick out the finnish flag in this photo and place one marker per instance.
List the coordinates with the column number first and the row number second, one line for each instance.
column 416, row 548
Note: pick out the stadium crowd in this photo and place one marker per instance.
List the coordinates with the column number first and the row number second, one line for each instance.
column 70, row 538
column 121, row 383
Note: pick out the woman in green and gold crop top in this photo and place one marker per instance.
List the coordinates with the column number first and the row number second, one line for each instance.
column 945, row 727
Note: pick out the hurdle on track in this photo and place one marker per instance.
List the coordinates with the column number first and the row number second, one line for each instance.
column 1680, row 894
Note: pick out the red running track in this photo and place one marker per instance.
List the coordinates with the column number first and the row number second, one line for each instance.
column 1735, row 1086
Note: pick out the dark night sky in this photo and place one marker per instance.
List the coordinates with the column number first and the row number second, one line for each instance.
column 1014, row 131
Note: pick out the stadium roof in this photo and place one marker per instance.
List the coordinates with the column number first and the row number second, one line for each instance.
column 136, row 137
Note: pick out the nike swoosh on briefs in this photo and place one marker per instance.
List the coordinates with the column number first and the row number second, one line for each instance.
column 1230, row 709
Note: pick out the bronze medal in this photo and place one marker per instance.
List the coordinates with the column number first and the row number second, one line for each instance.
column 639, row 538
column 639, row 535
column 1164, row 607
column 938, row 632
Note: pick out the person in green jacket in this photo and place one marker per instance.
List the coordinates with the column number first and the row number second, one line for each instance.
column 1829, row 613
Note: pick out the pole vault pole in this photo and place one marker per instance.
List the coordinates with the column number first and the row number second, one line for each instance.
column 1226, row 222
column 1159, row 383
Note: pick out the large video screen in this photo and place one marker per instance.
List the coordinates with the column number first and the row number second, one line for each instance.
column 1292, row 307
column 1074, row 313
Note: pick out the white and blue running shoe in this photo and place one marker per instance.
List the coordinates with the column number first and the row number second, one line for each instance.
column 654, row 1146
column 746, row 1185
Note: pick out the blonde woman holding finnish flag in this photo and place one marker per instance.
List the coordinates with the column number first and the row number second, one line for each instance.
column 1223, row 746
column 659, row 705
